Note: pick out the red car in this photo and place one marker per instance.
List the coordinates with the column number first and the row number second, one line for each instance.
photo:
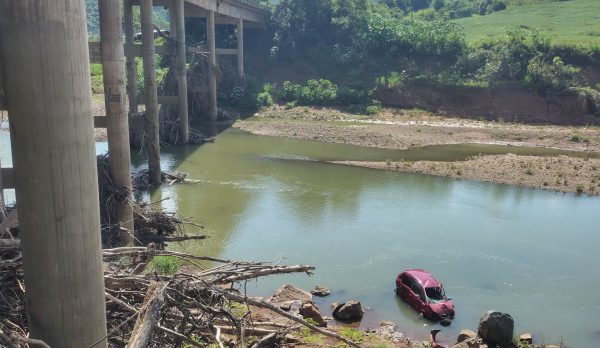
column 424, row 294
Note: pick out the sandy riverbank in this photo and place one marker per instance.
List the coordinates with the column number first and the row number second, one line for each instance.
column 399, row 129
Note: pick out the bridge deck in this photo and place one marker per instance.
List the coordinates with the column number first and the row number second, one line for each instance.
column 248, row 10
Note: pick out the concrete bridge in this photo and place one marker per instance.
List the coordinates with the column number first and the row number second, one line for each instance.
column 45, row 86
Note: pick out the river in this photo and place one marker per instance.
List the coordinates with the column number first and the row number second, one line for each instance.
column 529, row 252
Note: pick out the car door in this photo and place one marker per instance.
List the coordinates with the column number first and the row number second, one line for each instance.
column 418, row 297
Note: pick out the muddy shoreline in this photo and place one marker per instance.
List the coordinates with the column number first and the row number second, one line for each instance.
column 402, row 129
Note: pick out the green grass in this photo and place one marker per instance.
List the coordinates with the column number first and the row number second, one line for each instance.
column 165, row 264
column 573, row 22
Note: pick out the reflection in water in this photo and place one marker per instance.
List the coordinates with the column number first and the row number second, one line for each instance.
column 494, row 247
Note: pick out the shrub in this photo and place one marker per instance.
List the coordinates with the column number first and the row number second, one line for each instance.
column 553, row 76
column 264, row 99
column 373, row 110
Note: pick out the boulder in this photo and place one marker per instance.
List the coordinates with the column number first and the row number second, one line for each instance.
column 473, row 342
column 349, row 311
column 290, row 293
column 465, row 335
column 320, row 291
column 496, row 328
column 526, row 338
column 310, row 310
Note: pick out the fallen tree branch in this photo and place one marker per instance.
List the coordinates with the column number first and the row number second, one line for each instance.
column 148, row 317
column 263, row 304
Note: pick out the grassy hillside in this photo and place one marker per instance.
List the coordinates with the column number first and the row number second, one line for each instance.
column 570, row 22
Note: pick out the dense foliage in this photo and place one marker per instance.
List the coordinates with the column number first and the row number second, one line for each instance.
column 361, row 40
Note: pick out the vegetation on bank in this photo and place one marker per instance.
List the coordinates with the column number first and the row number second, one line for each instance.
column 347, row 41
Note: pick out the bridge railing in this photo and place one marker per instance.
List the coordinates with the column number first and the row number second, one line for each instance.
column 254, row 3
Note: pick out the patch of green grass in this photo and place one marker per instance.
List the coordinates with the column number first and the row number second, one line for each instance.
column 309, row 337
column 563, row 22
column 165, row 264
column 575, row 138
column 353, row 334
column 96, row 69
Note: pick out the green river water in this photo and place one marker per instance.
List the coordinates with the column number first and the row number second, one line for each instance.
column 528, row 252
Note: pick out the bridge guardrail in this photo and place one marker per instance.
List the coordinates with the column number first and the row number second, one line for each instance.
column 254, row 3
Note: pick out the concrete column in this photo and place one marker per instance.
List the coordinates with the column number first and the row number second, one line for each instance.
column 182, row 92
column 212, row 64
column 2, row 209
column 131, row 65
column 240, row 49
column 117, row 121
column 45, row 60
column 151, row 120
column 172, row 23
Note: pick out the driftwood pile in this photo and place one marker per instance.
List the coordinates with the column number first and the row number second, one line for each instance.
column 151, row 225
column 195, row 307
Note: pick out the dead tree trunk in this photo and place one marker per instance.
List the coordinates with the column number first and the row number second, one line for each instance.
column 45, row 59
column 148, row 316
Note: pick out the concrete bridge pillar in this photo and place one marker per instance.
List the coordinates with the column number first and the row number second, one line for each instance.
column 182, row 90
column 131, row 64
column 117, row 118
column 52, row 132
column 2, row 209
column 240, row 49
column 212, row 64
column 151, row 123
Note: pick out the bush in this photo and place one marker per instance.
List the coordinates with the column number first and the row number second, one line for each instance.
column 373, row 110
column 551, row 77
column 264, row 99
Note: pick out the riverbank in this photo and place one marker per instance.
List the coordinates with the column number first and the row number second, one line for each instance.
column 406, row 129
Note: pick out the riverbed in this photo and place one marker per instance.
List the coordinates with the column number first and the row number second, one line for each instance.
column 529, row 252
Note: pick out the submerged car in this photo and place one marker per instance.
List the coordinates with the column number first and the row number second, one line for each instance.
column 425, row 294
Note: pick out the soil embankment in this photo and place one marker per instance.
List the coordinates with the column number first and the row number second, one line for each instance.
column 511, row 103
column 399, row 129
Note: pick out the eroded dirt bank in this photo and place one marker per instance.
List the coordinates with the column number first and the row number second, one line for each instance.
column 399, row 129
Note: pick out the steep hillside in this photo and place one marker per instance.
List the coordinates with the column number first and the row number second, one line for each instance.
column 571, row 22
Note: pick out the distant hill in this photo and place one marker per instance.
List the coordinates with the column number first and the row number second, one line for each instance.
column 571, row 22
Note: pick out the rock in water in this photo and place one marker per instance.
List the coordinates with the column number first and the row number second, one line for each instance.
column 290, row 293
column 349, row 311
column 321, row 291
column 465, row 335
column 310, row 310
column 496, row 328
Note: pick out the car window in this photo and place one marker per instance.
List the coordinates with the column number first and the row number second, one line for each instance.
column 418, row 290
column 406, row 280
column 435, row 294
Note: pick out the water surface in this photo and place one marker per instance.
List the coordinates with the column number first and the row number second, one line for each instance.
column 528, row 252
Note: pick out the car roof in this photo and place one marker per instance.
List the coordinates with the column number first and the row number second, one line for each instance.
column 424, row 278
